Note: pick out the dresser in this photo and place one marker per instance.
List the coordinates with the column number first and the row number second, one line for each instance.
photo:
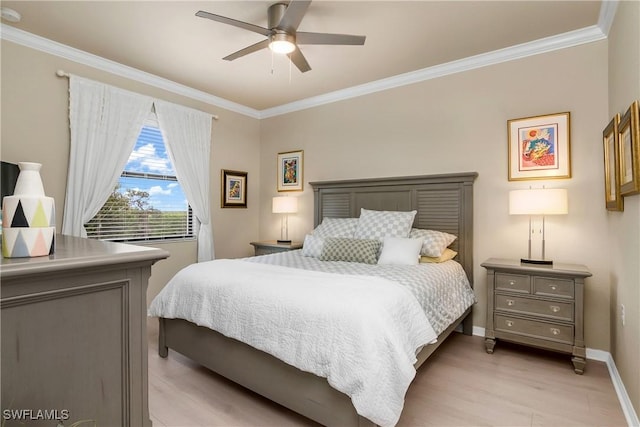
column 74, row 339
column 540, row 306
column 272, row 246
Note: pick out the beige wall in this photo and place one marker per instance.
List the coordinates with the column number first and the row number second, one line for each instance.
column 458, row 123
column 624, row 227
column 453, row 123
column 35, row 127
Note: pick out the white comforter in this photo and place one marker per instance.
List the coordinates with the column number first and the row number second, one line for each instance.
column 360, row 332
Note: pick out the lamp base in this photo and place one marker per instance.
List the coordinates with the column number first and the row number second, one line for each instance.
column 536, row 261
column 283, row 241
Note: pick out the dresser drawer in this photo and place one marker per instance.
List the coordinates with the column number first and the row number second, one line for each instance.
column 537, row 307
column 553, row 287
column 533, row 328
column 513, row 282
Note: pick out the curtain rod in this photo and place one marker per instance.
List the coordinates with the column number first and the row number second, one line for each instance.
column 62, row 73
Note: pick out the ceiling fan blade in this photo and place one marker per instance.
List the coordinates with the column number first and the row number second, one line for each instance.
column 293, row 15
column 234, row 22
column 247, row 50
column 325, row 38
column 299, row 60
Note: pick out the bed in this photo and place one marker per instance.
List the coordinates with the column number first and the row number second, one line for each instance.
column 443, row 202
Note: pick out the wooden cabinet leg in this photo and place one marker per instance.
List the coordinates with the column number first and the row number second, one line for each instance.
column 578, row 364
column 489, row 343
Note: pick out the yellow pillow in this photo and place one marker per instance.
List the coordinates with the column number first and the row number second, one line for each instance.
column 446, row 256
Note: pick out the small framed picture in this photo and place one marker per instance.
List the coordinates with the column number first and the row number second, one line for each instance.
column 539, row 147
column 290, row 171
column 629, row 140
column 613, row 199
column 234, row 189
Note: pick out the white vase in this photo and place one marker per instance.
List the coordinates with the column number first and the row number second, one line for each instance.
column 28, row 228
column 29, row 182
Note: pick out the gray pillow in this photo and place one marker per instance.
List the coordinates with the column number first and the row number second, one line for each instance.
column 350, row 250
column 312, row 246
column 435, row 242
column 336, row 227
column 381, row 224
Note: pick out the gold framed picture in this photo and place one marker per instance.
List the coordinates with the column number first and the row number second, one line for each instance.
column 613, row 199
column 290, row 171
column 234, row 189
column 629, row 141
column 539, row 147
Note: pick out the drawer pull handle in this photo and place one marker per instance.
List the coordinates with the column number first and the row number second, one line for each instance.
column 555, row 331
column 554, row 308
column 509, row 323
column 511, row 302
column 512, row 282
column 553, row 287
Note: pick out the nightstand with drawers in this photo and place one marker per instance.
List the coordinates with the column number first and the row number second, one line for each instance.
column 272, row 246
column 540, row 306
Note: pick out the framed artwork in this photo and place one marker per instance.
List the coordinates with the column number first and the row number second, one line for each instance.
column 629, row 141
column 290, row 171
column 539, row 147
column 234, row 189
column 613, row 199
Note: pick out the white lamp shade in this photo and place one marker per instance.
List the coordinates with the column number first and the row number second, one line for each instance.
column 538, row 201
column 284, row 204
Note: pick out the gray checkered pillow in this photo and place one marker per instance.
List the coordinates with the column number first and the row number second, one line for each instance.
column 381, row 224
column 350, row 250
column 435, row 242
column 336, row 227
column 312, row 246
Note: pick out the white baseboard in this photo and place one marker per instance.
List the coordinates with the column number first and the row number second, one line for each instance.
column 618, row 385
column 623, row 397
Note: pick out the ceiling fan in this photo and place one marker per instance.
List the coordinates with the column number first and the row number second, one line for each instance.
column 283, row 35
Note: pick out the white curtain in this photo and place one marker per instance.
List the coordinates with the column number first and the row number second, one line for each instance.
column 105, row 122
column 187, row 133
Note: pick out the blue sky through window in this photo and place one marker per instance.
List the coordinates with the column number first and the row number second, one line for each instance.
column 150, row 156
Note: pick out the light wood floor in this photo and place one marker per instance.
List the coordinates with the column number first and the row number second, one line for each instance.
column 460, row 385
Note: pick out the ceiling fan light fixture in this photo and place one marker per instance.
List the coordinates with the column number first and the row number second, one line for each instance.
column 282, row 43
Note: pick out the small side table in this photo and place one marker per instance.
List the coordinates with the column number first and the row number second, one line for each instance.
column 272, row 246
column 540, row 306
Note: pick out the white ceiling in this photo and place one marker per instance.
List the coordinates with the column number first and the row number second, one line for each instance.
column 166, row 39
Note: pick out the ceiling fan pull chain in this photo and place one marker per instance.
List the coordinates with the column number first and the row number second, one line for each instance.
column 290, row 61
column 271, row 62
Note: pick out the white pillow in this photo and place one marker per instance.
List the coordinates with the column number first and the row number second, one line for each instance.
column 400, row 251
column 435, row 242
column 336, row 227
column 312, row 246
column 381, row 224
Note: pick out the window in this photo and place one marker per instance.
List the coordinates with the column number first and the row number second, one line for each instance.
column 148, row 202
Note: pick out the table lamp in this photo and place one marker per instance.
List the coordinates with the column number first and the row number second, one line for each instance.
column 284, row 205
column 538, row 201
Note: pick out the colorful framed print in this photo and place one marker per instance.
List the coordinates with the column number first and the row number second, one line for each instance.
column 629, row 140
column 234, row 189
column 539, row 147
column 613, row 199
column 290, row 171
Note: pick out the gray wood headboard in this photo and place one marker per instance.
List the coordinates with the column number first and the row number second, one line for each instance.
column 444, row 202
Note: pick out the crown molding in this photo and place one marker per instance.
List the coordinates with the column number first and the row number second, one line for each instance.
column 536, row 47
column 51, row 47
column 607, row 14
